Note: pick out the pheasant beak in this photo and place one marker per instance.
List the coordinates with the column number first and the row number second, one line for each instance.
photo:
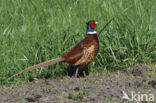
column 96, row 23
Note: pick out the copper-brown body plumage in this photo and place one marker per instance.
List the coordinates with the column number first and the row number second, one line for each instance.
column 84, row 52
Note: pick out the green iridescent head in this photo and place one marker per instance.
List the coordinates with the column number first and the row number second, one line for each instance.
column 91, row 25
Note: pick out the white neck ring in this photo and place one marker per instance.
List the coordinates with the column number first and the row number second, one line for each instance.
column 94, row 32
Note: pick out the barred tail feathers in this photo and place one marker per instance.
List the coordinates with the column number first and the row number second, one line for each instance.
column 50, row 62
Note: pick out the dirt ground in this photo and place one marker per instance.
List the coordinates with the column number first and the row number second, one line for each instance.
column 95, row 88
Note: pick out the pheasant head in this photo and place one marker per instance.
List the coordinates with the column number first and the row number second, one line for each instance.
column 91, row 25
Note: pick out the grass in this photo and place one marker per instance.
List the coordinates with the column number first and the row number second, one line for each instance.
column 75, row 95
column 35, row 31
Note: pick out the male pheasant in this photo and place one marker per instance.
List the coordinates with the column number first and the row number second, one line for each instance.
column 80, row 55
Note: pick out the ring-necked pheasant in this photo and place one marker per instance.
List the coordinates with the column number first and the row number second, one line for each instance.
column 80, row 55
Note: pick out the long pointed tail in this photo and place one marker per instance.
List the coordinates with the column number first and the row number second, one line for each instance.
column 50, row 62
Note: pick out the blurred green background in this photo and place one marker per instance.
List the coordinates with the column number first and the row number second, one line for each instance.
column 33, row 31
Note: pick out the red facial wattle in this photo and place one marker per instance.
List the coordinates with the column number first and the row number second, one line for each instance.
column 92, row 24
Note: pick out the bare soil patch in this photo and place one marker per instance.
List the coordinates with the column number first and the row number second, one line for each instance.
column 94, row 88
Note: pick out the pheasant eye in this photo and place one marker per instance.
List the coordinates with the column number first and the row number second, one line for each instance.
column 93, row 21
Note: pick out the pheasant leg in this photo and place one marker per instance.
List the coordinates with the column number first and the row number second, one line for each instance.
column 84, row 73
column 77, row 70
